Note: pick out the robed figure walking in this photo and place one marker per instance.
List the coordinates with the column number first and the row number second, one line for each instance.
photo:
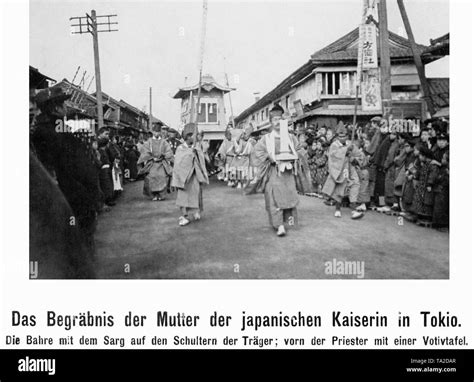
column 277, row 173
column 156, row 158
column 189, row 174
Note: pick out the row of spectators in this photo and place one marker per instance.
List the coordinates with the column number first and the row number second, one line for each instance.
column 404, row 172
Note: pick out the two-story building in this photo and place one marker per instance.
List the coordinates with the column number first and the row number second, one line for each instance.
column 211, row 112
column 125, row 118
column 323, row 90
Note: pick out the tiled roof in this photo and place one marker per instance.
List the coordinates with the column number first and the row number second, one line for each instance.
column 340, row 51
column 346, row 49
column 207, row 83
column 439, row 45
column 278, row 91
column 439, row 89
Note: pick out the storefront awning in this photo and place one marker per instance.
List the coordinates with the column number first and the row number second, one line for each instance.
column 342, row 111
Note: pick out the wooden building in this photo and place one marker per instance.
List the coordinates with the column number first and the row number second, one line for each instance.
column 211, row 111
column 322, row 91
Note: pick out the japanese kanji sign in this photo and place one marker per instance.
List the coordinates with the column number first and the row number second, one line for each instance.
column 368, row 36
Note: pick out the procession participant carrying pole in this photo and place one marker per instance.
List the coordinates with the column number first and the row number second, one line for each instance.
column 201, row 60
column 230, row 98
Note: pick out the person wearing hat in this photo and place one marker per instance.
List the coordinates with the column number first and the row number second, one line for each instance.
column 441, row 196
column 156, row 159
column 69, row 163
column 318, row 164
column 189, row 174
column 424, row 197
column 164, row 132
column 233, row 159
column 321, row 132
column 105, row 174
column 441, row 147
column 173, row 139
column 389, row 169
column 342, row 174
column 224, row 157
column 251, row 136
column 130, row 161
column 277, row 157
column 243, row 148
column 402, row 160
column 261, row 131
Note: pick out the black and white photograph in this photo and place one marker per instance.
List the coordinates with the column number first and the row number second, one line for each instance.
column 239, row 140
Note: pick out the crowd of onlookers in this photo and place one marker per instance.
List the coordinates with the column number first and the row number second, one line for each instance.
column 403, row 171
column 86, row 173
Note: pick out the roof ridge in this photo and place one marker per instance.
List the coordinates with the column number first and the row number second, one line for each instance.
column 350, row 37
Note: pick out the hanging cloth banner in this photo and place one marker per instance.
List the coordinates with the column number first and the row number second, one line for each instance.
column 371, row 90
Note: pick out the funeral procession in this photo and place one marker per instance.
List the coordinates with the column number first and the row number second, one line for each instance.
column 239, row 140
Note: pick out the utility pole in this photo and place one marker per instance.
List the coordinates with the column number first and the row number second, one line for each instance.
column 230, row 103
column 417, row 58
column 385, row 71
column 201, row 60
column 94, row 24
column 150, row 123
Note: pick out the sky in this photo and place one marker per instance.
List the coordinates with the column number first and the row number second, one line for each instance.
column 257, row 44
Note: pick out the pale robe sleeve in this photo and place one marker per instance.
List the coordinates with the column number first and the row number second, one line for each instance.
column 359, row 155
column 222, row 152
column 261, row 153
column 146, row 153
column 336, row 161
column 188, row 160
column 166, row 150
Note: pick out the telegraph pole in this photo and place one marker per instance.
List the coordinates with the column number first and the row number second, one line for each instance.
column 94, row 24
column 98, row 85
column 201, row 59
column 417, row 58
column 150, row 123
column 385, row 71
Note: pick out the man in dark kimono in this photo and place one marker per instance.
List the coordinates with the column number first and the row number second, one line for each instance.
column 441, row 147
column 278, row 162
column 157, row 159
column 63, row 192
column 105, row 173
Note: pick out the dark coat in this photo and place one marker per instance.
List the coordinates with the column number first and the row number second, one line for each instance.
column 59, row 247
column 105, row 175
